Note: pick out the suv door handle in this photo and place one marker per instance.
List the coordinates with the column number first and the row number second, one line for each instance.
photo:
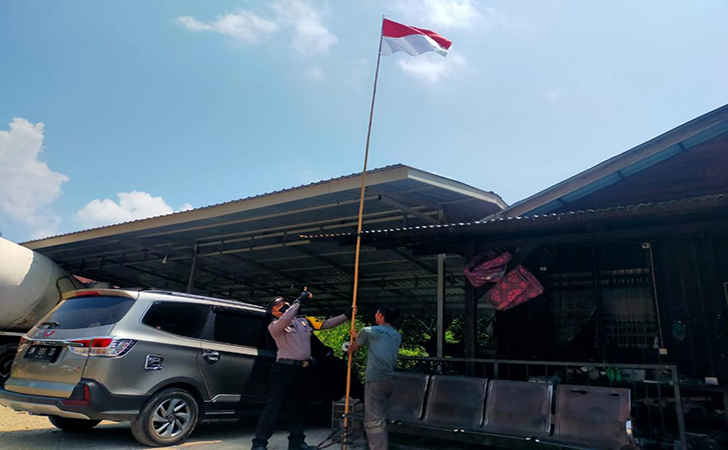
column 211, row 356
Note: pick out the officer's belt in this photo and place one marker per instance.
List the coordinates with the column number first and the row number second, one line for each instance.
column 294, row 362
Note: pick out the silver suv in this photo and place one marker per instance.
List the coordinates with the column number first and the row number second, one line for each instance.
column 160, row 359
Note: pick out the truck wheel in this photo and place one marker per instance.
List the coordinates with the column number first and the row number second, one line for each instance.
column 7, row 354
column 167, row 418
column 72, row 425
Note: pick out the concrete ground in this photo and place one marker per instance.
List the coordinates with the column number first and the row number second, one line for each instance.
column 20, row 431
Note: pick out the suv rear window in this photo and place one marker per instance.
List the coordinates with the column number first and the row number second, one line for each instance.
column 183, row 319
column 88, row 312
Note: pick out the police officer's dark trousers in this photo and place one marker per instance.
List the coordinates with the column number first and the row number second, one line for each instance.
column 287, row 398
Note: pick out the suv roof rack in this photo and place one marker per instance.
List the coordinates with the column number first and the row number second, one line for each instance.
column 202, row 297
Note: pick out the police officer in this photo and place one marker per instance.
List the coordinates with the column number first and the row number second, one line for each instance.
column 293, row 338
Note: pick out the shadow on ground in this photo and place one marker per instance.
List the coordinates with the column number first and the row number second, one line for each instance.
column 217, row 435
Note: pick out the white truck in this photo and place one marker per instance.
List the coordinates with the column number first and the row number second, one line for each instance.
column 30, row 285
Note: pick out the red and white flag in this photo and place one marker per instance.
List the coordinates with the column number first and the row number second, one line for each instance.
column 413, row 41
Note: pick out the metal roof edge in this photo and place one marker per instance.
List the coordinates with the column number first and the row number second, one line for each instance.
column 675, row 136
column 456, row 186
column 376, row 176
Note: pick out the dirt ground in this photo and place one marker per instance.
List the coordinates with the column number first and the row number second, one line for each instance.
column 20, row 431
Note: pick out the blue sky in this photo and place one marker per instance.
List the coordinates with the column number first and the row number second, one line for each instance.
column 115, row 110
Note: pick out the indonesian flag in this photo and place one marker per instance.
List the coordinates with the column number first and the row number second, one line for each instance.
column 413, row 41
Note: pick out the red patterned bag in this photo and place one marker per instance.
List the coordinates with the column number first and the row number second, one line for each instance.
column 518, row 286
column 487, row 267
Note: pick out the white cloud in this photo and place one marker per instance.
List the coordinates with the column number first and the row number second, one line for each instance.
column 243, row 26
column 310, row 36
column 441, row 13
column 314, row 73
column 131, row 206
column 27, row 185
column 430, row 68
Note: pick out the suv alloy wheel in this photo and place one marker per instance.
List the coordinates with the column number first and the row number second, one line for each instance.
column 166, row 419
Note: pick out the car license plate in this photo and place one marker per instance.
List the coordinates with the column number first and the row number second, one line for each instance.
column 42, row 353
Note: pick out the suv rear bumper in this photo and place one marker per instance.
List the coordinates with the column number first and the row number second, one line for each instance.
column 103, row 405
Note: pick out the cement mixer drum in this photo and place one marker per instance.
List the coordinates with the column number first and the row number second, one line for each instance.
column 30, row 285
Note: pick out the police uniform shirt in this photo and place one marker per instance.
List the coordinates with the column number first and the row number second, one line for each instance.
column 293, row 334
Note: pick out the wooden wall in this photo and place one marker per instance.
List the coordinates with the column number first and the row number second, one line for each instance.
column 692, row 284
column 605, row 292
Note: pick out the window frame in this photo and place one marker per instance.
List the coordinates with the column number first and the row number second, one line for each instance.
column 179, row 336
column 208, row 331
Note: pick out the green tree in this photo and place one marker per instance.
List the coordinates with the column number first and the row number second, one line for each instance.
column 412, row 336
column 335, row 338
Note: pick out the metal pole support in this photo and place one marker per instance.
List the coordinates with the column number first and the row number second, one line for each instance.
column 441, row 305
column 193, row 270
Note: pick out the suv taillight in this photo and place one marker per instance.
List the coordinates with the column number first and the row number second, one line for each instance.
column 101, row 346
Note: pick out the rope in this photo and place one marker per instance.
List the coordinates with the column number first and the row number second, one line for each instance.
column 323, row 444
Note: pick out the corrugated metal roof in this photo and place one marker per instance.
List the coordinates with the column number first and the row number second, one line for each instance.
column 285, row 208
column 588, row 214
column 626, row 164
column 250, row 250
column 266, row 194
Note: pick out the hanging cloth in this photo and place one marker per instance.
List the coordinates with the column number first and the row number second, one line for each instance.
column 516, row 287
column 487, row 267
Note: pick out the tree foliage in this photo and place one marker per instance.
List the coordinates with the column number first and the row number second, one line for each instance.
column 418, row 335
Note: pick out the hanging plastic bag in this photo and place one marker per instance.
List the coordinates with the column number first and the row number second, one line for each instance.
column 518, row 286
column 488, row 267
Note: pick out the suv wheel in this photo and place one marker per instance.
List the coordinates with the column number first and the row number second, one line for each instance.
column 7, row 354
column 73, row 425
column 167, row 418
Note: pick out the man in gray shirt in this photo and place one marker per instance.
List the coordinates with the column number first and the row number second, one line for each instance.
column 293, row 338
column 383, row 342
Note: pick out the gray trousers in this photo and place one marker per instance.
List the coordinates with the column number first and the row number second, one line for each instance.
column 376, row 402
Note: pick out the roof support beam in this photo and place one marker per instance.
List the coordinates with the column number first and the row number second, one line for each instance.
column 325, row 259
column 350, row 272
column 300, row 281
column 413, row 260
column 409, row 210
column 426, row 281
column 373, row 263
column 403, row 197
column 147, row 272
column 394, row 290
column 142, row 245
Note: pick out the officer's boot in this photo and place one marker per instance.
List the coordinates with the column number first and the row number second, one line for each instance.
column 303, row 446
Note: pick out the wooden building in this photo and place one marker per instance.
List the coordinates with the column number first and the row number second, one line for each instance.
column 633, row 257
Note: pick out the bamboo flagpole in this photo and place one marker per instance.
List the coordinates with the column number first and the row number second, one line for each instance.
column 412, row 41
column 358, row 243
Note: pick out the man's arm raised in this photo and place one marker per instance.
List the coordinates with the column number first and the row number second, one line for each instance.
column 277, row 326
